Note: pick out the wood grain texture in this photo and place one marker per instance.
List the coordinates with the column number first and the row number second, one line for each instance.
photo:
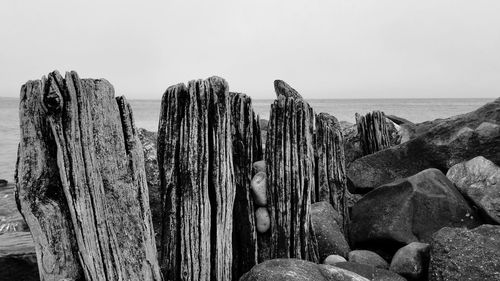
column 290, row 177
column 373, row 131
column 331, row 179
column 246, row 150
column 197, row 181
column 89, row 182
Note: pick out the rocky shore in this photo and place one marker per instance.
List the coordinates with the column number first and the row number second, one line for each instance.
column 424, row 206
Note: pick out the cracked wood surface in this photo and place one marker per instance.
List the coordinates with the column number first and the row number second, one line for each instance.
column 197, row 181
column 331, row 179
column 81, row 183
column 247, row 149
column 290, row 176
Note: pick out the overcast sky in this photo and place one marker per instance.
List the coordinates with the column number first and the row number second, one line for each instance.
column 325, row 49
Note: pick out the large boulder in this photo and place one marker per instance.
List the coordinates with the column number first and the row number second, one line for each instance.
column 298, row 270
column 10, row 218
column 439, row 144
column 408, row 210
column 148, row 140
column 479, row 180
column 370, row 272
column 18, row 257
column 412, row 261
column 326, row 229
column 462, row 254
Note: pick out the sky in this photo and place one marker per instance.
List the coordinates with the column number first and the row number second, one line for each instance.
column 324, row 49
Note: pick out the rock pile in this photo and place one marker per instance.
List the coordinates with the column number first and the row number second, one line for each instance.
column 426, row 208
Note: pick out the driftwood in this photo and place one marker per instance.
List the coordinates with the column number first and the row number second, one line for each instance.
column 197, row 181
column 373, row 131
column 290, row 177
column 246, row 150
column 331, row 179
column 81, row 182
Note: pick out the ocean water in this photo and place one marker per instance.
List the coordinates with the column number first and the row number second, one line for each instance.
column 146, row 114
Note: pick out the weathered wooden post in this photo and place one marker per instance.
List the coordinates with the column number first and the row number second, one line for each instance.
column 81, row 182
column 373, row 131
column 197, row 181
column 246, row 150
column 331, row 179
column 290, row 174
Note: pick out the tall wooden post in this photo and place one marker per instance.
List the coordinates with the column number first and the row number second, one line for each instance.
column 197, row 181
column 331, row 179
column 246, row 150
column 81, row 183
column 373, row 131
column 290, row 174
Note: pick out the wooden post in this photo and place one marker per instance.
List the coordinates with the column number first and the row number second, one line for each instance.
column 373, row 131
column 81, row 183
column 290, row 174
column 197, row 181
column 246, row 150
column 331, row 179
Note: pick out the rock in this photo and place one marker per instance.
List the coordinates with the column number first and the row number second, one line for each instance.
column 283, row 89
column 333, row 259
column 10, row 218
column 298, row 270
column 370, row 272
column 259, row 189
column 479, row 180
column 326, row 229
column 368, row 257
column 462, row 254
column 259, row 166
column 17, row 257
column 439, row 144
column 263, row 222
column 408, row 210
column 333, row 273
column 148, row 140
column 3, row 183
column 412, row 261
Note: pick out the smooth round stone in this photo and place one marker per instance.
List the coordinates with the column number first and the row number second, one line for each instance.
column 259, row 189
column 333, row 259
column 368, row 257
column 259, row 166
column 262, row 219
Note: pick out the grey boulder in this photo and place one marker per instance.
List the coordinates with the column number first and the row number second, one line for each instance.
column 479, row 180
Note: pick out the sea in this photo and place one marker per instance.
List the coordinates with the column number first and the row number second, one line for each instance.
column 146, row 114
